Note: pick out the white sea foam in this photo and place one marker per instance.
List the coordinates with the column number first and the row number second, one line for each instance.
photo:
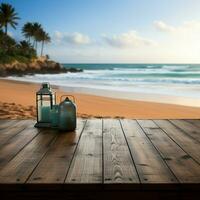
column 176, row 80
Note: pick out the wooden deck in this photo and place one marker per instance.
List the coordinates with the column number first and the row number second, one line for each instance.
column 103, row 157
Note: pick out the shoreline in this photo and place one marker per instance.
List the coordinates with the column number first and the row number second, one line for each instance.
column 18, row 93
column 136, row 96
column 125, row 95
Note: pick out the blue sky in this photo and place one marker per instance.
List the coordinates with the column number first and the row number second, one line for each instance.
column 116, row 30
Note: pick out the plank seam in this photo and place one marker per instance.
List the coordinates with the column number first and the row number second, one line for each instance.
column 184, row 131
column 18, row 132
column 192, row 123
column 130, row 151
column 102, row 152
column 159, row 153
column 74, row 151
column 21, row 148
column 53, row 140
column 176, row 143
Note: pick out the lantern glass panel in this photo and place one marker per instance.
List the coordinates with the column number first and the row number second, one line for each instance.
column 44, row 103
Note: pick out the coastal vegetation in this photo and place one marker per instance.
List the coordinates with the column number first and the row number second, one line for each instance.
column 10, row 49
column 24, row 56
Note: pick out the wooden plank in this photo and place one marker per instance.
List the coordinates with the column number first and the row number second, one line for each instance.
column 189, row 144
column 150, row 166
column 58, row 157
column 182, row 164
column 9, row 133
column 7, row 123
column 3, row 121
column 9, row 149
column 16, row 124
column 86, row 166
column 188, row 128
column 195, row 122
column 25, row 123
column 13, row 130
column 118, row 164
column 20, row 167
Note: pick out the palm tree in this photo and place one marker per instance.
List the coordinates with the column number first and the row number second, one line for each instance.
column 26, row 49
column 28, row 31
column 37, row 28
column 45, row 39
column 35, row 31
column 8, row 16
column 24, row 45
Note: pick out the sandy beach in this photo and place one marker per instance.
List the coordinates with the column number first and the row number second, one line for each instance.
column 17, row 101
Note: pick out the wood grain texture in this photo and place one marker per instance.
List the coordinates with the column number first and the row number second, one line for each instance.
column 195, row 122
column 21, row 166
column 183, row 166
column 118, row 164
column 14, row 129
column 7, row 123
column 187, row 143
column 9, row 133
column 150, row 165
column 86, row 166
column 58, row 158
column 11, row 148
column 188, row 128
column 121, row 154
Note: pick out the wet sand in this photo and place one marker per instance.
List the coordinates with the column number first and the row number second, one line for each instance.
column 17, row 101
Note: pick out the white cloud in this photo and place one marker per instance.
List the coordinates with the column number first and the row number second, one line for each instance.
column 181, row 42
column 186, row 27
column 72, row 38
column 185, row 36
column 127, row 40
column 162, row 26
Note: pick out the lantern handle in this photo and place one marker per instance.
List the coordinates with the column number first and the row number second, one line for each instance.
column 67, row 96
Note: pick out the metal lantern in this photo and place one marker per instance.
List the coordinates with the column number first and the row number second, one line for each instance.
column 45, row 100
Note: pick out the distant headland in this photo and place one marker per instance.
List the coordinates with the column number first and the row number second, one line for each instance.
column 40, row 65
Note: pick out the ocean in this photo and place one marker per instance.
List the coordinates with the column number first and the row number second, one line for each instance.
column 149, row 82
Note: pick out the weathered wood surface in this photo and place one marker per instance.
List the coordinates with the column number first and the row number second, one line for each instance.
column 118, row 164
column 150, row 165
column 101, row 151
column 183, row 166
column 86, row 166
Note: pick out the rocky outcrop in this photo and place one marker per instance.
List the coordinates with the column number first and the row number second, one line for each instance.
column 36, row 66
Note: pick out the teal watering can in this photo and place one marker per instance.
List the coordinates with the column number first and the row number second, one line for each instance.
column 67, row 114
column 54, row 116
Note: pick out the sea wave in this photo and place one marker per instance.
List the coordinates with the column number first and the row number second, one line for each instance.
column 65, row 78
column 179, row 78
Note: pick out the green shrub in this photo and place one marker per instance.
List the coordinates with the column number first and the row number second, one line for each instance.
column 11, row 51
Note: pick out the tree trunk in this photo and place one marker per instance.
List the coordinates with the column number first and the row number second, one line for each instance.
column 6, row 29
column 42, row 48
column 34, row 44
column 36, row 47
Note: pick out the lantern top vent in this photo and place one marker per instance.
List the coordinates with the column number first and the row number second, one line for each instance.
column 45, row 89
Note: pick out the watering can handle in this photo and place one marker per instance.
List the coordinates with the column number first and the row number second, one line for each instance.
column 67, row 96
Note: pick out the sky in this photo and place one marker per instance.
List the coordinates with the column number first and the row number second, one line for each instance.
column 115, row 31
